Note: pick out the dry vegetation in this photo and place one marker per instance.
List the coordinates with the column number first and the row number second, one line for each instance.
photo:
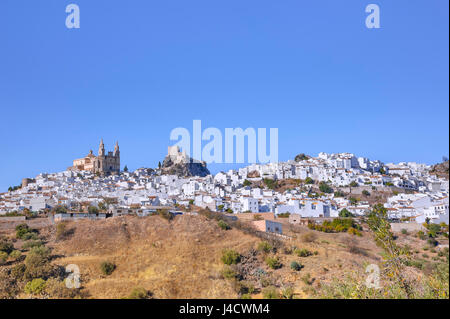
column 182, row 258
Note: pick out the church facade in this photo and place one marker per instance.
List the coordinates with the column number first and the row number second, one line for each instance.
column 104, row 164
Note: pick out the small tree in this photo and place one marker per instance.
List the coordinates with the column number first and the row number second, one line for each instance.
column 222, row 224
column 3, row 257
column 246, row 183
column 6, row 246
column 325, row 188
column 395, row 257
column 270, row 293
column 345, row 213
column 265, row 247
column 230, row 256
column 296, row 266
column 353, row 184
column 273, row 262
column 300, row 157
column 125, row 169
column 140, row 293
column 353, row 201
column 93, row 210
column 35, row 287
column 107, row 268
column 60, row 209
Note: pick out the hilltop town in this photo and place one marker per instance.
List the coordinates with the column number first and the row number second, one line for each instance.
column 327, row 186
column 295, row 229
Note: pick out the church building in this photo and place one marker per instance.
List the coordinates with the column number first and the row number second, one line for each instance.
column 104, row 164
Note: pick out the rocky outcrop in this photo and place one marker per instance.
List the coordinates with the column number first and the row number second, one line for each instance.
column 191, row 168
column 253, row 174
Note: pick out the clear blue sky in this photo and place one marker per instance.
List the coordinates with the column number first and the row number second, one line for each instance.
column 137, row 69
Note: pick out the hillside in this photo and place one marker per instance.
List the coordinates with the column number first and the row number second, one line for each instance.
column 181, row 258
column 441, row 170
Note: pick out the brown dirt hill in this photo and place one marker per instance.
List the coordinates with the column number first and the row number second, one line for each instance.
column 177, row 259
column 182, row 258
column 441, row 170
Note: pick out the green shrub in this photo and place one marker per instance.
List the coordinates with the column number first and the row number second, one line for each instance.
column 339, row 194
column 18, row 272
column 3, row 257
column 421, row 235
column 230, row 256
column 354, row 231
column 273, row 262
column 22, row 230
column 107, row 268
column 222, row 224
column 140, row 293
column 35, row 287
column 287, row 293
column 247, row 183
column 31, row 244
column 325, row 188
column 308, row 237
column 265, row 247
column 296, row 266
column 29, row 236
column 337, row 225
column 432, row 242
column 56, row 289
column 270, row 293
column 228, row 273
column 6, row 246
column 270, row 183
column 345, row 213
column 303, row 252
column 248, row 287
column 15, row 254
column 419, row 264
column 37, row 263
column 246, row 296
column 164, row 213
column 61, row 231
column 307, row 279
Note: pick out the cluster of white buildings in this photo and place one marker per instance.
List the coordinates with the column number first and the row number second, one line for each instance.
column 419, row 207
column 225, row 191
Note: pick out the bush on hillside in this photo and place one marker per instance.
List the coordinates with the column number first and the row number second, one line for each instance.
column 296, row 266
column 107, row 268
column 273, row 262
column 265, row 247
column 230, row 257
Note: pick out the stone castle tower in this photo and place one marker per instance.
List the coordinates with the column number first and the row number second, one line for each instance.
column 104, row 164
